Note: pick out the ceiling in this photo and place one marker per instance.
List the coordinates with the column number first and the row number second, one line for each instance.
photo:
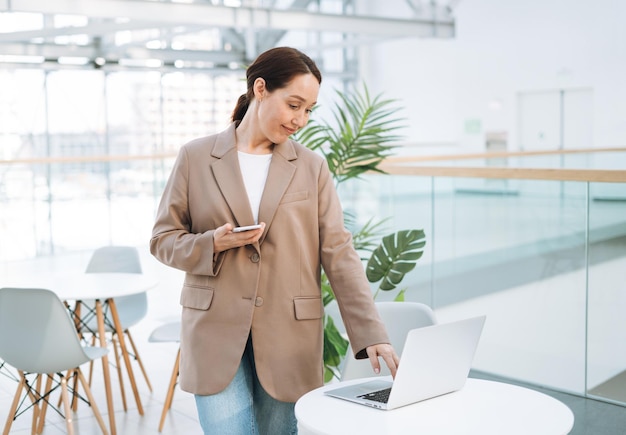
column 200, row 34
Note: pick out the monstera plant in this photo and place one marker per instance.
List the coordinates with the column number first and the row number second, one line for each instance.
column 357, row 141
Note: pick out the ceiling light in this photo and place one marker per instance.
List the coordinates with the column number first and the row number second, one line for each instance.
column 149, row 63
column 9, row 58
column 72, row 60
column 155, row 44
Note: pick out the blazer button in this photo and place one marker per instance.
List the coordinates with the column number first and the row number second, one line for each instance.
column 255, row 258
column 258, row 302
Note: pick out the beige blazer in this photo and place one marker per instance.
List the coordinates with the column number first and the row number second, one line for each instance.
column 271, row 289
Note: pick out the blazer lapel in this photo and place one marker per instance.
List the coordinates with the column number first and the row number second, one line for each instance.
column 228, row 176
column 280, row 175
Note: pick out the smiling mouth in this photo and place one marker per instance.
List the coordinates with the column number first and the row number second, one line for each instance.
column 290, row 130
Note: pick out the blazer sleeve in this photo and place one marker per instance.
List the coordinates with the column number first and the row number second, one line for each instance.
column 346, row 273
column 172, row 241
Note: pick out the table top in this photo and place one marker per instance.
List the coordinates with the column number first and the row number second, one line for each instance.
column 481, row 407
column 88, row 285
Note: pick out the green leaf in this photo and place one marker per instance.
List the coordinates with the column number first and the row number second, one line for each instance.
column 327, row 292
column 395, row 257
column 400, row 296
column 335, row 348
column 329, row 374
column 361, row 136
column 367, row 237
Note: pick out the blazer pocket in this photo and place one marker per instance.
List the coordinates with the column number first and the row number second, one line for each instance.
column 295, row 196
column 198, row 298
column 308, row 308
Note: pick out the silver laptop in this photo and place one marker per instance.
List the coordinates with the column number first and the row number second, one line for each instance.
column 435, row 360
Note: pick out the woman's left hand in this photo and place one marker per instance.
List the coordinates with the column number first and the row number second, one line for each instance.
column 388, row 354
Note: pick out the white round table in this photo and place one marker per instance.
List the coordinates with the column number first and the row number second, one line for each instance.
column 481, row 407
column 82, row 286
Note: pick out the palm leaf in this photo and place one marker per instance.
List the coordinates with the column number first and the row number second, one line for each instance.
column 366, row 238
column 313, row 135
column 394, row 258
column 361, row 137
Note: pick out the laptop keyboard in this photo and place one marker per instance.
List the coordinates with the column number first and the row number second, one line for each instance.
column 381, row 396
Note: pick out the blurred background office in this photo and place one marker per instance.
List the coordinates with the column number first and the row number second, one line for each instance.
column 513, row 157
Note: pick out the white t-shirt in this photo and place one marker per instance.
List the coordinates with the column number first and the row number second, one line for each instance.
column 254, row 168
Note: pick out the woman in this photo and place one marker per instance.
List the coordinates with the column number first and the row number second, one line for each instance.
column 252, row 319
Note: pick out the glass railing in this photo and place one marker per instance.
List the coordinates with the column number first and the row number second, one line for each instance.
column 535, row 241
column 539, row 247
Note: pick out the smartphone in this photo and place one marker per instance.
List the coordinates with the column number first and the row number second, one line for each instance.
column 246, row 228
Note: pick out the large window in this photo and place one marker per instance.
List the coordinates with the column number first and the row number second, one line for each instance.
column 81, row 143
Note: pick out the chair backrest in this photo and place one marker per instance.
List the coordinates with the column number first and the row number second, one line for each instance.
column 122, row 259
column 399, row 318
column 37, row 334
column 166, row 333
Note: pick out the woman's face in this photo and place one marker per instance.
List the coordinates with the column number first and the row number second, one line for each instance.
column 286, row 110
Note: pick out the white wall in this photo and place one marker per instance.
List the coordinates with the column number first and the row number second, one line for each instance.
column 502, row 48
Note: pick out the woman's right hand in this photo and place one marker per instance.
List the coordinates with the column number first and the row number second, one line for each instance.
column 224, row 238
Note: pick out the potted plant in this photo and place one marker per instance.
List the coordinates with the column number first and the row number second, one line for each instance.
column 358, row 141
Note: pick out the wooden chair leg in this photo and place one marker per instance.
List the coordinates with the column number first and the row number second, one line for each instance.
column 74, row 402
column 75, row 395
column 118, row 365
column 170, row 390
column 125, row 354
column 93, row 343
column 138, row 358
column 92, row 401
column 41, row 419
column 77, row 322
column 66, row 407
column 35, row 399
column 16, row 400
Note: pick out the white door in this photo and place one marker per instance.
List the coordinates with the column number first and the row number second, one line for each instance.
column 555, row 119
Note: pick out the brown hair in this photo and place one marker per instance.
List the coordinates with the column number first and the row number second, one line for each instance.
column 277, row 66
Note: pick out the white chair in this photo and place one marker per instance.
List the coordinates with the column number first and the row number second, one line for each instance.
column 131, row 309
column 399, row 318
column 38, row 337
column 168, row 333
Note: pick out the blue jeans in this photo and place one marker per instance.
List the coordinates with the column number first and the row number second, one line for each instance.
column 244, row 408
